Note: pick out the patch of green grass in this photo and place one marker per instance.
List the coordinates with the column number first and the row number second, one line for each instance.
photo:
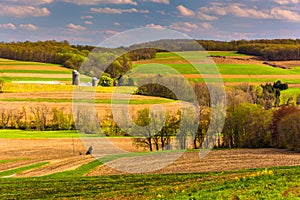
column 20, row 134
column 248, row 69
column 235, row 69
column 79, row 172
column 180, row 56
column 21, row 169
column 272, row 183
column 24, row 63
column 11, row 160
column 35, row 71
column 291, row 92
column 246, row 80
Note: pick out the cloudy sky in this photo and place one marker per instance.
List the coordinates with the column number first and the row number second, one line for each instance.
column 92, row 21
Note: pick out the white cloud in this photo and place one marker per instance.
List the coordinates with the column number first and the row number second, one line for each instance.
column 88, row 22
column 23, row 11
column 190, row 13
column 206, row 17
column 240, row 10
column 111, row 32
column 117, row 24
column 185, row 11
column 206, row 25
column 29, row 27
column 161, row 12
column 158, row 1
column 87, row 17
column 284, row 2
column 27, row 2
column 8, row 26
column 98, row 2
column 155, row 26
column 117, row 11
column 183, row 26
column 279, row 13
column 76, row 27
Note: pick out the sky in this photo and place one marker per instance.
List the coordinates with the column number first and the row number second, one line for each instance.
column 92, row 21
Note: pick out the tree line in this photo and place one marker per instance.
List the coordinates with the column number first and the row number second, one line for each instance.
column 48, row 52
column 209, row 45
column 272, row 52
column 96, row 60
column 247, row 125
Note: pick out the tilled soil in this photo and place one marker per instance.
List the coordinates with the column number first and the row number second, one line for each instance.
column 215, row 161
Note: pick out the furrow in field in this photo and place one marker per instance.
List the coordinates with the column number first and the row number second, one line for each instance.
column 56, row 166
column 215, row 161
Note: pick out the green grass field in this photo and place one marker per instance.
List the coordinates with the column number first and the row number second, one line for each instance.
column 226, row 69
column 20, row 134
column 272, row 183
column 248, row 72
column 11, row 70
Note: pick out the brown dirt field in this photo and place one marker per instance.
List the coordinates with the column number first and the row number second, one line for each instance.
column 56, row 166
column 32, row 67
column 59, row 152
column 102, row 109
column 69, row 95
column 37, row 150
column 290, row 64
column 238, row 60
column 218, row 161
column 216, row 60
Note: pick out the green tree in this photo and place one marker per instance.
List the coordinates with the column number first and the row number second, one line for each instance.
column 106, row 80
column 289, row 129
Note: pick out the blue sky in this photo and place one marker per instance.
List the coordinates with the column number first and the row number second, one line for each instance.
column 92, row 21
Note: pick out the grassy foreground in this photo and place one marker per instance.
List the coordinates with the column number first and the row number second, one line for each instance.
column 272, row 183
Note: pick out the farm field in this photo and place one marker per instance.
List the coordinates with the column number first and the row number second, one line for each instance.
column 43, row 166
column 40, row 164
column 11, row 71
column 233, row 67
column 274, row 183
